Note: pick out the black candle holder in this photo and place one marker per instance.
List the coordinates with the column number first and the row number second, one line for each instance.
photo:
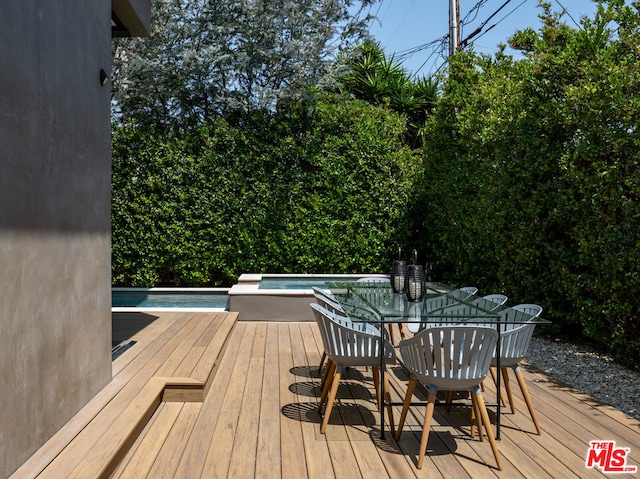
column 415, row 283
column 399, row 274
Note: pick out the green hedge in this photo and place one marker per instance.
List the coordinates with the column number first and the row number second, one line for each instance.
column 527, row 184
column 531, row 185
column 294, row 192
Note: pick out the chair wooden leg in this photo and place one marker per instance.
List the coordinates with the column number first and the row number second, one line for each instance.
column 405, row 407
column 390, row 327
column 476, row 419
column 507, row 387
column 324, row 356
column 326, row 373
column 527, row 398
column 376, row 385
column 495, row 381
column 487, row 426
column 402, row 334
column 428, row 416
column 335, row 381
column 331, row 367
column 387, row 398
column 448, row 399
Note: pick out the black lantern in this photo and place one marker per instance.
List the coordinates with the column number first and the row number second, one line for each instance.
column 399, row 274
column 416, row 280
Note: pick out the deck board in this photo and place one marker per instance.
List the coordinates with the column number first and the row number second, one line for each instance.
column 280, row 363
column 268, row 451
column 245, row 443
column 152, row 441
column 168, row 458
column 195, row 452
column 292, row 447
column 260, row 419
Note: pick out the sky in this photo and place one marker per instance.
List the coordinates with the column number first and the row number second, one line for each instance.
column 406, row 25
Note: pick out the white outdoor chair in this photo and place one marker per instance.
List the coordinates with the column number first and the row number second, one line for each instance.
column 372, row 279
column 349, row 347
column 497, row 298
column 514, row 343
column 450, row 358
column 445, row 303
column 534, row 310
column 471, row 290
column 324, row 294
column 382, row 280
column 328, row 301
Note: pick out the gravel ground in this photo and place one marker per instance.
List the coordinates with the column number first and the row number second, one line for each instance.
column 597, row 375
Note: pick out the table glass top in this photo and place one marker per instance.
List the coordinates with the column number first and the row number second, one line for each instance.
column 442, row 304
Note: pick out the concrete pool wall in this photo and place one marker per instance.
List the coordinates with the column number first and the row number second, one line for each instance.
column 258, row 304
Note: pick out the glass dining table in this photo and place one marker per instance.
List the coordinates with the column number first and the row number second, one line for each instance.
column 375, row 302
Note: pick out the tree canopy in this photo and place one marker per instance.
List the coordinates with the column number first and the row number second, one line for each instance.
column 380, row 80
column 531, row 174
column 209, row 57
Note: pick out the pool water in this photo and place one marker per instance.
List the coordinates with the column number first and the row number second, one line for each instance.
column 299, row 283
column 148, row 298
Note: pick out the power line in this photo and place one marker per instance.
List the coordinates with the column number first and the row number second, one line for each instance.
column 411, row 51
column 378, row 10
column 435, row 48
column 564, row 10
column 476, row 9
column 479, row 32
column 402, row 20
column 464, row 42
column 375, row 15
column 443, row 42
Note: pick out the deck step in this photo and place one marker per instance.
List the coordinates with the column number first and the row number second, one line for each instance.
column 179, row 368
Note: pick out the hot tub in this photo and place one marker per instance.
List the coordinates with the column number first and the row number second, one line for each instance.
column 281, row 297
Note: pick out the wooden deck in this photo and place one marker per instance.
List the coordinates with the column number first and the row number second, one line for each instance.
column 254, row 415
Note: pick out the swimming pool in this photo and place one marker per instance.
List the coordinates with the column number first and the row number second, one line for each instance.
column 256, row 297
column 173, row 299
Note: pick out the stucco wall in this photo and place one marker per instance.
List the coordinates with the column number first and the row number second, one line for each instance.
column 55, row 322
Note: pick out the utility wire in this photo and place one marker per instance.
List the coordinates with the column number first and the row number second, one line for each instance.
column 407, row 53
column 564, row 10
column 375, row 16
column 378, row 10
column 464, row 42
column 438, row 44
column 475, row 9
column 443, row 43
column 479, row 31
column 401, row 21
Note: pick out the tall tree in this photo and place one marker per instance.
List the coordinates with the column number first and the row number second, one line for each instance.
column 380, row 80
column 209, row 57
column 531, row 174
